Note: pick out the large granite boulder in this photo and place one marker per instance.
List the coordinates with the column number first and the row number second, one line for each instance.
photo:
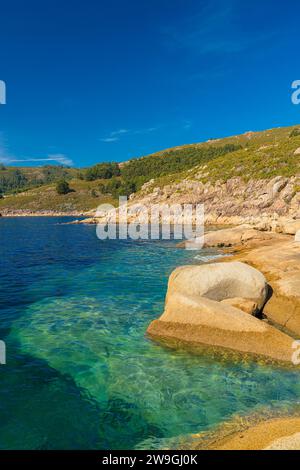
column 196, row 314
column 220, row 281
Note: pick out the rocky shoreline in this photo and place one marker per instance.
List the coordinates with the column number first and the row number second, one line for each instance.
column 269, row 204
column 264, row 433
column 247, row 303
column 28, row 213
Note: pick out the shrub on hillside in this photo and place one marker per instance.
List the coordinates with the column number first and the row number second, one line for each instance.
column 62, row 187
column 295, row 133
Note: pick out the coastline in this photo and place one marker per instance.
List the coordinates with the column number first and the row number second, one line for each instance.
column 41, row 214
column 260, row 431
column 277, row 258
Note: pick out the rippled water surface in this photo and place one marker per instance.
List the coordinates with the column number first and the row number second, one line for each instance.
column 80, row 373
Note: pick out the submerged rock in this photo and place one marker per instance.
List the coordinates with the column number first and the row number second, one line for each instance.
column 195, row 312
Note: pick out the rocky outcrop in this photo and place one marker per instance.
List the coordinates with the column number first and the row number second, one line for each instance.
column 195, row 313
column 219, row 281
column 270, row 202
column 268, row 205
column 275, row 255
column 280, row 263
column 243, row 235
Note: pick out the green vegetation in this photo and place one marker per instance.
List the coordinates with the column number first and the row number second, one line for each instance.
column 141, row 170
column 62, row 187
column 13, row 180
column 295, row 132
column 45, row 198
column 253, row 155
column 102, row 171
column 254, row 162
column 118, row 187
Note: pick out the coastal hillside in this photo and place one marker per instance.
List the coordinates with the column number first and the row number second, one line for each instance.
column 256, row 172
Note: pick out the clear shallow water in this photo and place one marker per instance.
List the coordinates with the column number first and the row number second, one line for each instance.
column 81, row 374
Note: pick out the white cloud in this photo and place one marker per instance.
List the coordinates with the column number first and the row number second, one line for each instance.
column 7, row 158
column 119, row 132
column 187, row 124
column 59, row 158
column 114, row 136
column 110, row 139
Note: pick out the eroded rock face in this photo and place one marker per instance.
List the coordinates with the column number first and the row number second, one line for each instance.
column 269, row 203
column 234, row 201
column 195, row 311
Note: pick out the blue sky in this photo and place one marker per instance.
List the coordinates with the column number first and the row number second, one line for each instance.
column 109, row 80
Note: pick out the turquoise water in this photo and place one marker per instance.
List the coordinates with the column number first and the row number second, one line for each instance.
column 80, row 373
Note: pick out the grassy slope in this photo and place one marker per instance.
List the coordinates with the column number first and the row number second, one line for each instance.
column 264, row 155
column 45, row 198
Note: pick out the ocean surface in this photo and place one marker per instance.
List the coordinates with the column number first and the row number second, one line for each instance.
column 80, row 372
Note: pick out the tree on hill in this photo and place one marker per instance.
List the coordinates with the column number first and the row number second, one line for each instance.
column 12, row 181
column 62, row 187
column 117, row 187
column 102, row 171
